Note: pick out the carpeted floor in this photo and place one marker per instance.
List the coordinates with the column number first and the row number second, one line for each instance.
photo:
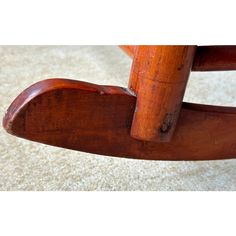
column 26, row 165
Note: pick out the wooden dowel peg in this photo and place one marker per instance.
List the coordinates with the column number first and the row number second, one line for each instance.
column 159, row 76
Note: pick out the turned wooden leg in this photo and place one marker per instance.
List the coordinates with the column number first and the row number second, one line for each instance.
column 159, row 76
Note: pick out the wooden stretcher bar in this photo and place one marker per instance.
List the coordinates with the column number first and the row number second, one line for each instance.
column 207, row 58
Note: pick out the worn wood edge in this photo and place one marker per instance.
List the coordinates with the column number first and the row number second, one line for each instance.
column 49, row 85
column 55, row 84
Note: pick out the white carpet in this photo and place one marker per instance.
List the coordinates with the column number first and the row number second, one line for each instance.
column 25, row 165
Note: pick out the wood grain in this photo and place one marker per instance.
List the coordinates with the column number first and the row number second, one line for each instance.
column 207, row 58
column 97, row 119
column 159, row 76
column 215, row 58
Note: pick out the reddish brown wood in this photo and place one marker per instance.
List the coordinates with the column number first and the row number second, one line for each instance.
column 97, row 119
column 215, row 58
column 159, row 76
column 207, row 58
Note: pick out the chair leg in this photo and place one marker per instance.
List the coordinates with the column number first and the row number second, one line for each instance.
column 159, row 76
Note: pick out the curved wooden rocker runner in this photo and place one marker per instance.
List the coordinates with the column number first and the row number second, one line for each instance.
column 146, row 121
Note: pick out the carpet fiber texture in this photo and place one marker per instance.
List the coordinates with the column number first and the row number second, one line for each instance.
column 25, row 165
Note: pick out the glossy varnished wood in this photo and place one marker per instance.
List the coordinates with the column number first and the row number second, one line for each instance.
column 97, row 119
column 207, row 58
column 215, row 58
column 159, row 76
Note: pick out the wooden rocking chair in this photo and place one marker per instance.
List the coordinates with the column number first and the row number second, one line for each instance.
column 147, row 120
